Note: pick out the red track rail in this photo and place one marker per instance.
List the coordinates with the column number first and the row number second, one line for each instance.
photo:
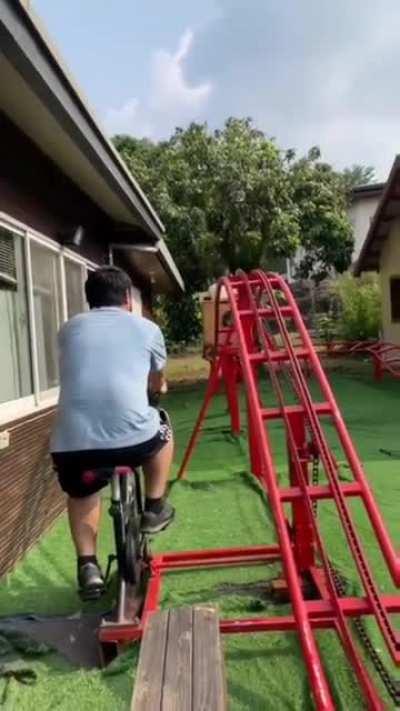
column 267, row 330
column 385, row 356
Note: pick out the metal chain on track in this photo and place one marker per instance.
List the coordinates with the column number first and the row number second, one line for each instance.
column 315, row 480
column 391, row 684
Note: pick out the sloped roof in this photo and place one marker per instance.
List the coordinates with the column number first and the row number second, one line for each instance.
column 388, row 210
column 40, row 97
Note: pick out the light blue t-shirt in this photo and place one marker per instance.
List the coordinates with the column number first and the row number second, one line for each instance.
column 105, row 359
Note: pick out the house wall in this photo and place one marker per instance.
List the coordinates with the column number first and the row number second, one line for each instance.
column 390, row 267
column 34, row 192
column 360, row 213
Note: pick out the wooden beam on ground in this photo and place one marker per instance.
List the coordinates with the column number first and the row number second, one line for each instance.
column 209, row 689
column 177, row 687
column 150, row 677
column 181, row 666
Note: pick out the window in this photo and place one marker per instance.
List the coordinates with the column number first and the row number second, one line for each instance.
column 47, row 312
column 395, row 298
column 41, row 285
column 75, row 275
column 15, row 362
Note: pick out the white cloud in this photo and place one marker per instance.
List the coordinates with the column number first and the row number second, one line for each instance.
column 171, row 91
column 172, row 100
column 127, row 119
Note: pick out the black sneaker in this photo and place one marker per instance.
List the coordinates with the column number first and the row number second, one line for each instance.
column 156, row 522
column 91, row 581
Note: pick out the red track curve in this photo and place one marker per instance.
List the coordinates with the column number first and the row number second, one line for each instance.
column 267, row 330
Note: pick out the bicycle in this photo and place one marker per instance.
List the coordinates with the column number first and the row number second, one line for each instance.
column 126, row 509
column 132, row 550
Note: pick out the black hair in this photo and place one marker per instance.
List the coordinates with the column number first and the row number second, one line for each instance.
column 107, row 286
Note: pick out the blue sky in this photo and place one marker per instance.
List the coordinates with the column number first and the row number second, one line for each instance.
column 308, row 71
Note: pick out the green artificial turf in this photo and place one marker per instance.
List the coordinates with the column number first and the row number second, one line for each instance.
column 220, row 505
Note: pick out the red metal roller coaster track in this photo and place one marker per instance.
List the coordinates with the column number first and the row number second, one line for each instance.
column 256, row 303
column 264, row 329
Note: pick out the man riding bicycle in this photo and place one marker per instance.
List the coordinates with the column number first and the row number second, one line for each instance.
column 104, row 418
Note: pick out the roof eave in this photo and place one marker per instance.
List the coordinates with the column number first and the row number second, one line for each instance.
column 363, row 257
column 37, row 60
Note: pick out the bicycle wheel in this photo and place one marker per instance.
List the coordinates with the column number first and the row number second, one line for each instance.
column 133, row 549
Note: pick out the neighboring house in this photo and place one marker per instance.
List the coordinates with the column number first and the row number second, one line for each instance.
column 66, row 202
column 381, row 252
column 362, row 208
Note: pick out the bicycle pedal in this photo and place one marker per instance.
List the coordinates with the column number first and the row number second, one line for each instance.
column 93, row 594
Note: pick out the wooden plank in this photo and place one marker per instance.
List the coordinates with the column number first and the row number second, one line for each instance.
column 177, row 687
column 209, row 691
column 150, row 676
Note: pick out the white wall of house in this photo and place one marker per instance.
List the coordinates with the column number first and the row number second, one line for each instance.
column 360, row 213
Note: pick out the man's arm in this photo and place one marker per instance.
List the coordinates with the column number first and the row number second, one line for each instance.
column 158, row 359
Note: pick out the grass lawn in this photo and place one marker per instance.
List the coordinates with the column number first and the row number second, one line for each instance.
column 220, row 505
column 187, row 368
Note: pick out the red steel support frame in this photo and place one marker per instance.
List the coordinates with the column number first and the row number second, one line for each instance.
column 244, row 347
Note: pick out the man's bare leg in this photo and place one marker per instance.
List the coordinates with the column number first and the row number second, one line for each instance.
column 84, row 519
column 158, row 512
column 157, row 471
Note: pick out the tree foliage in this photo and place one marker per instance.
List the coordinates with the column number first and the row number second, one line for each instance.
column 232, row 199
column 357, row 175
column 326, row 235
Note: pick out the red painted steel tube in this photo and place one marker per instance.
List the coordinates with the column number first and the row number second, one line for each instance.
column 220, row 563
column 315, row 670
column 212, row 387
column 119, row 633
column 153, row 593
column 321, row 617
column 390, row 635
column 391, row 556
column 271, row 624
column 254, row 305
column 318, row 492
column 252, row 552
column 309, row 532
column 275, row 413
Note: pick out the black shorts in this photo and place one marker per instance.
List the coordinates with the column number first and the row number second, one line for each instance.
column 77, row 473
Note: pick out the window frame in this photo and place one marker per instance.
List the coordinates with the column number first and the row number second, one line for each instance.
column 39, row 399
column 393, row 278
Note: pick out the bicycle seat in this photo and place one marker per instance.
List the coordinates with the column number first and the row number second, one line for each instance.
column 105, row 473
column 123, row 471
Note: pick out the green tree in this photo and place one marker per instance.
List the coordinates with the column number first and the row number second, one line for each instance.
column 326, row 234
column 357, row 175
column 230, row 199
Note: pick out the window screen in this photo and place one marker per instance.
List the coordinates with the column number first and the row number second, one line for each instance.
column 8, row 265
column 74, row 276
column 47, row 308
column 395, row 298
column 15, row 361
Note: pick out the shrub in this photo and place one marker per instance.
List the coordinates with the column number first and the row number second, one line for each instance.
column 359, row 305
column 327, row 328
column 180, row 321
